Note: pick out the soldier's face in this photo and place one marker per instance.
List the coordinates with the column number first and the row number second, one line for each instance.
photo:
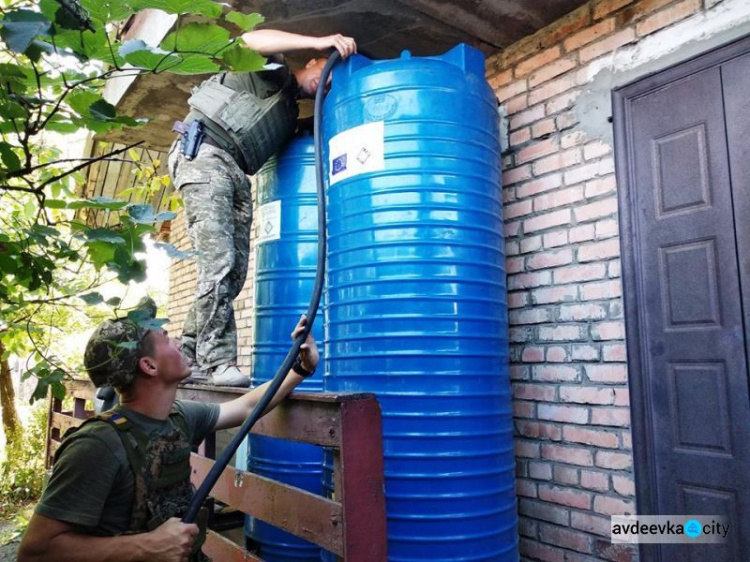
column 169, row 360
column 310, row 77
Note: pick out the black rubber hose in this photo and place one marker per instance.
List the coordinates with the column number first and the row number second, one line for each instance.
column 221, row 463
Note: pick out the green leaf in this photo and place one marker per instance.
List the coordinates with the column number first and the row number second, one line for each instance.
column 246, row 22
column 40, row 392
column 81, row 100
column 92, row 298
column 21, row 27
column 152, row 59
column 103, row 110
column 197, row 37
column 56, row 204
column 106, row 11
column 10, row 159
column 204, row 7
column 242, row 59
column 142, row 214
column 58, row 390
column 114, row 301
column 104, row 235
column 192, row 64
column 165, row 216
column 98, row 203
column 173, row 252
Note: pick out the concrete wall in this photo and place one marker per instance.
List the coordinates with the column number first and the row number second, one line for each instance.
column 572, row 417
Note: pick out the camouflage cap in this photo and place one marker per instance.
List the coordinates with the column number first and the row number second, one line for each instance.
column 112, row 353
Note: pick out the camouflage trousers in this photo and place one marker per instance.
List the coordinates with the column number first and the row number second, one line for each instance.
column 218, row 209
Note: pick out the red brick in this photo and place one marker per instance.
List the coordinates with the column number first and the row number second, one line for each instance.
column 500, row 79
column 596, row 149
column 524, row 409
column 580, row 273
column 584, row 353
column 546, row 183
column 623, row 486
column 567, row 414
column 568, row 455
column 601, row 167
column 613, row 417
column 606, row 228
column 600, row 209
column 615, row 552
column 517, row 104
column 518, row 300
column 615, row 352
column 565, row 538
column 532, row 355
column 536, row 150
column 537, row 61
column 538, row 551
column 560, row 333
column 526, row 117
column 590, row 523
column 607, row 330
column 532, row 316
column 566, row 26
column 555, row 373
column 526, row 449
column 601, row 186
column 667, row 17
column 599, row 251
column 527, row 527
column 576, row 138
column 608, row 6
column 553, row 88
column 594, row 480
column 557, row 355
column 544, row 511
column 555, row 239
column 520, row 334
column 526, row 488
column 566, row 121
column 547, row 220
column 559, row 198
column 517, row 209
column 552, row 70
column 555, row 294
column 516, row 175
column 579, row 312
column 549, row 259
column 534, row 392
column 518, row 373
column 566, row 475
column 607, row 45
column 582, row 233
column 602, row 290
column 613, row 506
column 543, row 128
column 510, row 90
column 614, row 461
column 593, row 437
column 614, row 268
column 622, row 397
column 511, row 229
column 519, row 137
column 607, row 373
column 529, row 280
column 514, row 265
column 587, row 395
column 530, row 244
column 535, row 430
column 591, row 33
column 627, row 440
column 557, row 161
column 540, row 470
column 562, row 102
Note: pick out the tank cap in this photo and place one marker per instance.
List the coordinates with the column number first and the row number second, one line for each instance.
column 405, row 54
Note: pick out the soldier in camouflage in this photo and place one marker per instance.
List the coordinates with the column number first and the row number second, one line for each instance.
column 121, row 481
column 216, row 193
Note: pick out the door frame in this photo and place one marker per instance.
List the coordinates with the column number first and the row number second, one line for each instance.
column 644, row 460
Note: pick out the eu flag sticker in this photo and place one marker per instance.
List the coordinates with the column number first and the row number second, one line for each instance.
column 339, row 164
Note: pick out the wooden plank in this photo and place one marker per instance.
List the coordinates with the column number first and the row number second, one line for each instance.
column 222, row 549
column 83, row 389
column 64, row 421
column 297, row 511
column 362, row 482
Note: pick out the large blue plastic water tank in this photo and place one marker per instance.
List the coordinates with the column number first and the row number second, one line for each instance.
column 416, row 308
column 285, row 262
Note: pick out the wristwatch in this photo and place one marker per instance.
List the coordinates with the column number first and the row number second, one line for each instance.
column 300, row 370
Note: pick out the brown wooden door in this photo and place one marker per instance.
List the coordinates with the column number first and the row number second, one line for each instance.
column 684, row 168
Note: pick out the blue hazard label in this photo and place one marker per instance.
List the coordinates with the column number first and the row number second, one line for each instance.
column 339, row 164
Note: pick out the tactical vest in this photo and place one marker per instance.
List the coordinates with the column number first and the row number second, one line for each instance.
column 161, row 468
column 252, row 126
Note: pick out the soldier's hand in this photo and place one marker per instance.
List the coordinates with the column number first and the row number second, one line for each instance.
column 344, row 45
column 308, row 352
column 172, row 541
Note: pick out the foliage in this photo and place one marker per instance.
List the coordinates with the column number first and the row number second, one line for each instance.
column 55, row 58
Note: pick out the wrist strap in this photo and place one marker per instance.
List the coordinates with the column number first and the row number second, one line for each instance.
column 300, row 370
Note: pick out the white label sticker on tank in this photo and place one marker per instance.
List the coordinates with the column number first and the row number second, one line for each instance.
column 356, row 151
column 268, row 222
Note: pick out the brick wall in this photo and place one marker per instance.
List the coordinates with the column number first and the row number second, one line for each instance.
column 569, row 376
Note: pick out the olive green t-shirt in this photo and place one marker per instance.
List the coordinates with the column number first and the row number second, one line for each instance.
column 92, row 485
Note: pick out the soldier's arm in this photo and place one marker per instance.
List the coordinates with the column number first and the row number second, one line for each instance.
column 274, row 42
column 49, row 539
column 232, row 414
